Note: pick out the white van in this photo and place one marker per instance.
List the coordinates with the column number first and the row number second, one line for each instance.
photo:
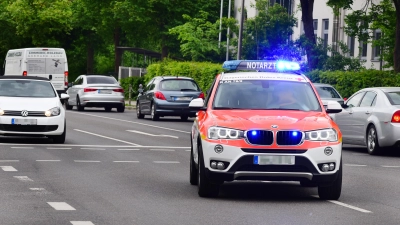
column 50, row 63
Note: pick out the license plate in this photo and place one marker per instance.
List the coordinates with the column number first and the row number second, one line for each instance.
column 105, row 91
column 274, row 159
column 182, row 98
column 24, row 121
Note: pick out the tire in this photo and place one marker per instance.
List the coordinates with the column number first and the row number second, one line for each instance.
column 306, row 183
column 193, row 169
column 153, row 114
column 184, row 118
column 108, row 109
column 333, row 191
column 67, row 105
column 139, row 114
column 78, row 104
column 60, row 139
column 206, row 189
column 121, row 108
column 372, row 141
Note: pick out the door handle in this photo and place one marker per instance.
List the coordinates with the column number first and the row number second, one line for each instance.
column 367, row 112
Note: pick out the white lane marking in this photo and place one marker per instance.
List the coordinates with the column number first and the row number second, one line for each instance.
column 23, row 178
column 59, row 148
column 48, row 160
column 163, row 150
column 94, row 146
column 391, row 166
column 8, row 168
column 93, row 149
column 114, row 139
column 86, row 161
column 23, row 147
column 82, row 223
column 127, row 149
column 126, row 161
column 9, row 160
column 153, row 135
column 37, row 189
column 345, row 205
column 166, row 162
column 354, row 165
column 60, row 206
column 188, row 150
column 127, row 121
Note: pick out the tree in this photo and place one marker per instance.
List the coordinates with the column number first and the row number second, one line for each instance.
column 307, row 9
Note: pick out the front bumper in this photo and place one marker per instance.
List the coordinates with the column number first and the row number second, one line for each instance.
column 45, row 126
column 240, row 165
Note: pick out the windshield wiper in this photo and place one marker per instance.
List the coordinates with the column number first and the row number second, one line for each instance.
column 283, row 109
column 188, row 89
column 226, row 108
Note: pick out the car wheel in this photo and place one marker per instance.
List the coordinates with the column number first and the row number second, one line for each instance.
column 139, row 114
column 60, row 139
column 205, row 187
column 78, row 104
column 108, row 109
column 372, row 141
column 333, row 191
column 184, row 118
column 121, row 108
column 193, row 169
column 154, row 115
column 67, row 105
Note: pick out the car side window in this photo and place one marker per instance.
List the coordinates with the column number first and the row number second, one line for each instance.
column 208, row 92
column 368, row 99
column 353, row 102
column 149, row 84
column 78, row 81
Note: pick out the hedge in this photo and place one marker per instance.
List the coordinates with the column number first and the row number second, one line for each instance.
column 348, row 82
column 135, row 81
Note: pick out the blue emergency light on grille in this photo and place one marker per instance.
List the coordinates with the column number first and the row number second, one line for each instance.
column 261, row 65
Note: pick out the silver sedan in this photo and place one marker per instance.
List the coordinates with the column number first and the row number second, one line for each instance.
column 371, row 117
column 96, row 91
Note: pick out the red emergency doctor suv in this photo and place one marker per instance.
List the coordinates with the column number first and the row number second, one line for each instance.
column 264, row 120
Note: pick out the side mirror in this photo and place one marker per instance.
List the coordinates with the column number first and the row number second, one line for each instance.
column 64, row 96
column 333, row 107
column 345, row 99
column 69, row 85
column 197, row 103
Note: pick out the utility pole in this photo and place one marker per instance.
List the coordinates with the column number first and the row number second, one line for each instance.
column 240, row 33
column 220, row 24
column 227, row 34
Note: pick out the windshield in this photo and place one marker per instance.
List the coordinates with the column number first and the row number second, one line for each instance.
column 327, row 92
column 266, row 94
column 101, row 80
column 26, row 88
column 394, row 97
column 178, row 85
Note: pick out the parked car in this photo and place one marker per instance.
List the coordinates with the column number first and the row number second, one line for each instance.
column 168, row 96
column 371, row 117
column 328, row 93
column 95, row 91
column 30, row 106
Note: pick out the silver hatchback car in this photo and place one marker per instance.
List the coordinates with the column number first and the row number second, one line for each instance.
column 96, row 91
column 371, row 117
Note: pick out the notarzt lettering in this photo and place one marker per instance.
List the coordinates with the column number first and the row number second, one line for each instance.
column 261, row 65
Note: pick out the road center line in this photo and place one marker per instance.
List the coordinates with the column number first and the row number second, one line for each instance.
column 166, row 162
column 93, row 149
column 10, row 160
column 8, row 168
column 48, row 160
column 163, row 150
column 126, row 161
column 127, row 149
column 86, row 161
column 60, row 206
column 98, row 135
column 354, row 165
column 391, row 166
column 23, row 147
column 127, row 121
column 37, row 189
column 82, row 223
column 23, row 178
column 346, row 205
column 59, row 148
column 153, row 135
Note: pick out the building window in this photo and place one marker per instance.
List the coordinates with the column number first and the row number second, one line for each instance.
column 350, row 45
column 325, row 32
column 364, row 49
column 315, row 23
column 376, row 51
column 302, row 28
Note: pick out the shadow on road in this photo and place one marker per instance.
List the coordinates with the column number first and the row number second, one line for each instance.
column 388, row 152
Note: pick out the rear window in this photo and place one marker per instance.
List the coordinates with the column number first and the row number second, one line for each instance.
column 101, row 80
column 327, row 92
column 178, row 85
column 394, row 97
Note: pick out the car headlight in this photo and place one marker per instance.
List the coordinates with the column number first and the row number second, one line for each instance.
column 53, row 112
column 1, row 112
column 224, row 133
column 322, row 135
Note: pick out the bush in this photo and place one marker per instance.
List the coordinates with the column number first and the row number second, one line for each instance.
column 135, row 81
column 202, row 72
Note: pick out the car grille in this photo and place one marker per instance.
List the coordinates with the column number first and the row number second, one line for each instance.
column 28, row 128
column 263, row 137
column 274, row 168
column 18, row 113
column 289, row 138
column 274, row 151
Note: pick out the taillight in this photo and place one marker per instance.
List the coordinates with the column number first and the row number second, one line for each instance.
column 118, row 90
column 159, row 95
column 25, row 73
column 66, row 78
column 201, row 95
column 396, row 117
column 89, row 89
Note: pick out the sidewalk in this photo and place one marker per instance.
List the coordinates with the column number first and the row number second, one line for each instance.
column 132, row 106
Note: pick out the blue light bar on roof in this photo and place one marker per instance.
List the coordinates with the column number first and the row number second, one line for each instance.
column 261, row 65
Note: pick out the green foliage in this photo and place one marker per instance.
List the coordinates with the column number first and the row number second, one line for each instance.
column 134, row 81
column 202, row 72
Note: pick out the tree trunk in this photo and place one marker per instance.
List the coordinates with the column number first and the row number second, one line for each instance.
column 118, row 53
column 396, row 53
column 90, row 57
column 164, row 49
column 307, row 8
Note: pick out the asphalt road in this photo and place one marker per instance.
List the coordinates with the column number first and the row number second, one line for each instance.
column 116, row 169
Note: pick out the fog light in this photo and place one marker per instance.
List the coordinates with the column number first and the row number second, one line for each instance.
column 218, row 149
column 214, row 165
column 325, row 168
column 221, row 166
column 328, row 151
column 331, row 166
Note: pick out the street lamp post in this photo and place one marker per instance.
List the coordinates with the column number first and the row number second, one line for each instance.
column 240, row 33
column 227, row 35
column 220, row 24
